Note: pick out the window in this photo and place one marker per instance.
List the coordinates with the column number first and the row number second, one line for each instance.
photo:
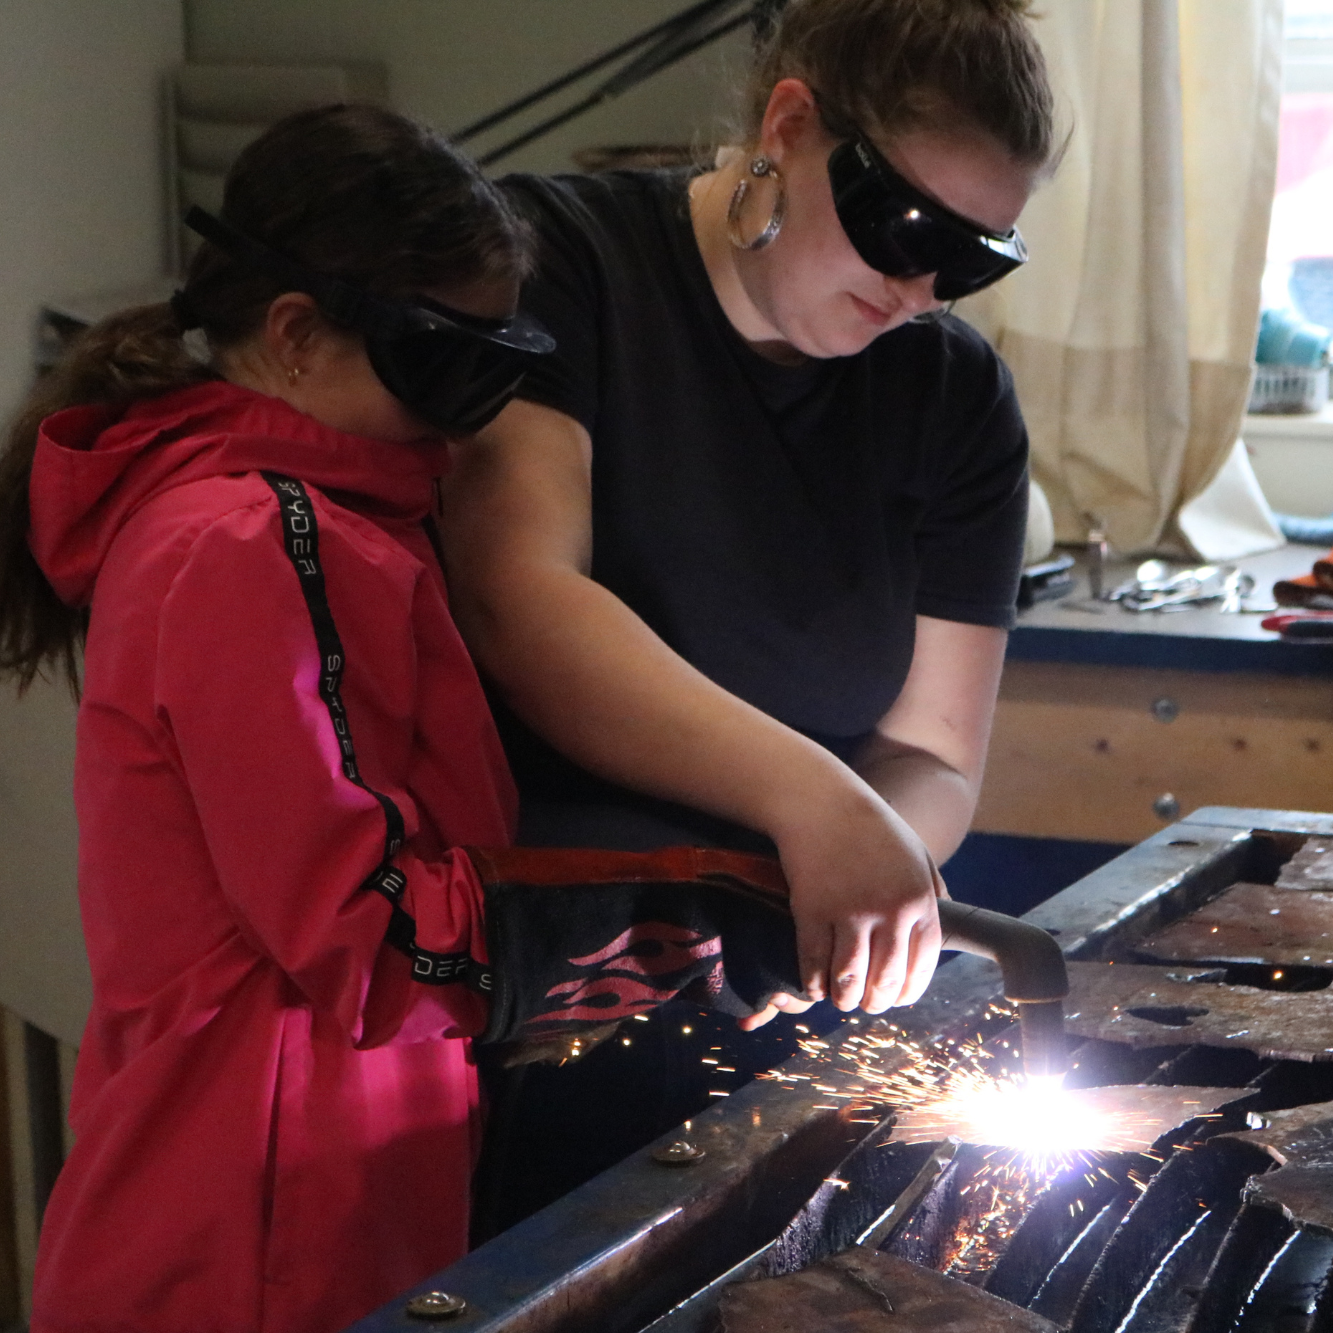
column 1300, row 243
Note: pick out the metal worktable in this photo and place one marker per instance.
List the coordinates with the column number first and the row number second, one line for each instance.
column 1110, row 723
column 1068, row 629
column 624, row 1249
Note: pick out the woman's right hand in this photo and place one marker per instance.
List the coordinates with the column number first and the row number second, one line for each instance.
column 863, row 893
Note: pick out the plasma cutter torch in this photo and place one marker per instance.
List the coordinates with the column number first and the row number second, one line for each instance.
column 1035, row 978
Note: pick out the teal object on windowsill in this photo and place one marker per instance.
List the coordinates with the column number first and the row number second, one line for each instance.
column 1310, row 531
column 1285, row 339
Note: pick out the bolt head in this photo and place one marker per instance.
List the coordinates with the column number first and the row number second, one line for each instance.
column 680, row 1153
column 1165, row 709
column 1166, row 807
column 435, row 1305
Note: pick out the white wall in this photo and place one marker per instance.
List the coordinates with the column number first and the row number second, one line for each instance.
column 1292, row 457
column 80, row 157
column 451, row 61
column 80, row 210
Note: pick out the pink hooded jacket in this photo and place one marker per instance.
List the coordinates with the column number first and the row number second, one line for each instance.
column 275, row 1123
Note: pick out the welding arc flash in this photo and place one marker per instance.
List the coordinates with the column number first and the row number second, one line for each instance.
column 1040, row 1119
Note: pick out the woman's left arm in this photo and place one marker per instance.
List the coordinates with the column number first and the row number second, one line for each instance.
column 928, row 753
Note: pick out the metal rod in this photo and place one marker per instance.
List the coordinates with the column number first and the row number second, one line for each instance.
column 612, row 88
column 684, row 19
column 665, row 53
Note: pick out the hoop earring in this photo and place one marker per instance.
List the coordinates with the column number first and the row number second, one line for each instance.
column 759, row 168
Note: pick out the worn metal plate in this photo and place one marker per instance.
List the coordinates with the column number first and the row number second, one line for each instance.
column 1252, row 923
column 1298, row 1136
column 1300, row 1140
column 1310, row 868
column 861, row 1291
column 1123, row 1118
column 1302, row 1193
column 1167, row 1242
column 1141, row 1006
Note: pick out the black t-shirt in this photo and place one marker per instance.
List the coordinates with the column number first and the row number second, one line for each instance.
column 778, row 526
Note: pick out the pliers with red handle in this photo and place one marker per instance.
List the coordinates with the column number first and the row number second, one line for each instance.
column 1308, row 625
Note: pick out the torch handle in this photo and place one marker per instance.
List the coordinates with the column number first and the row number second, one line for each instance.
column 1034, row 972
column 1030, row 960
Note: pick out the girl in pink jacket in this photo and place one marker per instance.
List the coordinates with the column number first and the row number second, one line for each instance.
column 283, row 749
column 281, row 741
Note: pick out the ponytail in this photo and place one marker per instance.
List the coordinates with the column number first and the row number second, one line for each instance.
column 357, row 192
column 135, row 354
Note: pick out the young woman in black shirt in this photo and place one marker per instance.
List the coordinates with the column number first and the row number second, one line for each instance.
column 744, row 557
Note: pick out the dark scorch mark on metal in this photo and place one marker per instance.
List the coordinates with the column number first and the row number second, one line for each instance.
column 1148, row 1006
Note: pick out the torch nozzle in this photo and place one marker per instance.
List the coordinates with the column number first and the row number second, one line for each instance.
column 1034, row 974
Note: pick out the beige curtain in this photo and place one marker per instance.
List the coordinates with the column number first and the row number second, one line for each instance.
column 1130, row 332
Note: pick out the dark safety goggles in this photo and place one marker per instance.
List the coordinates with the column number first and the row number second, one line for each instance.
column 903, row 233
column 453, row 370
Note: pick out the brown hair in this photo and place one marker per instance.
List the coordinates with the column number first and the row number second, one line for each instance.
column 890, row 65
column 357, row 192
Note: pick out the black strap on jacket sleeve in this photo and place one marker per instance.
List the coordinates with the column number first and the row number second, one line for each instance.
column 300, row 535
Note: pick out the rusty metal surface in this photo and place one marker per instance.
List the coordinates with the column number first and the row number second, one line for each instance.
column 1122, row 1118
column 1310, row 868
column 632, row 1242
column 1152, row 1006
column 1300, row 1140
column 1252, row 923
column 1302, row 1193
column 1298, row 1136
column 843, row 1295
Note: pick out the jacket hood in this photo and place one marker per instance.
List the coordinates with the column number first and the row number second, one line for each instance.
column 96, row 465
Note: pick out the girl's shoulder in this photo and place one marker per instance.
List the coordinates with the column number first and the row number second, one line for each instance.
column 227, row 522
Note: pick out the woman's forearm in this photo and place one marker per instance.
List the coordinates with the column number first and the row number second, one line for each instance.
column 927, row 756
column 936, row 800
column 586, row 673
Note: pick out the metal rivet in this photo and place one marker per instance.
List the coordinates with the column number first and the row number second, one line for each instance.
column 1166, row 806
column 680, row 1153
column 435, row 1305
column 1165, row 709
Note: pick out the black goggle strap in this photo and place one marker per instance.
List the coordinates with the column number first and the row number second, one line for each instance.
column 346, row 304
column 300, row 535
column 340, row 301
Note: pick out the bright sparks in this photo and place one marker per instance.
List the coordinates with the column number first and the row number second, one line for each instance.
column 973, row 1092
column 1027, row 1132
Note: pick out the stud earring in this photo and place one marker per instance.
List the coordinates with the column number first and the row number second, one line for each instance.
column 759, row 168
column 293, row 374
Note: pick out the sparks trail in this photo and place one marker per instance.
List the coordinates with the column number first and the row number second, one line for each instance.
column 950, row 1089
column 1030, row 1131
